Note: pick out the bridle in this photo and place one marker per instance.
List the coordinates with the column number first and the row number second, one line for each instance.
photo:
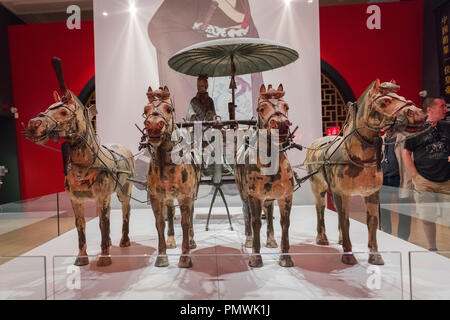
column 157, row 112
column 274, row 103
column 388, row 125
column 57, row 124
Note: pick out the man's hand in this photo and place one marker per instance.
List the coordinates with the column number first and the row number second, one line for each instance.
column 409, row 163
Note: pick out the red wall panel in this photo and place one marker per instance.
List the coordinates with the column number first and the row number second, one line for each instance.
column 31, row 50
column 361, row 55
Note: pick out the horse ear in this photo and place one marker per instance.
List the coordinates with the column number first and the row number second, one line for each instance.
column 269, row 87
column 149, row 94
column 69, row 96
column 376, row 86
column 280, row 87
column 56, row 96
column 262, row 89
column 92, row 112
column 166, row 89
column 393, row 81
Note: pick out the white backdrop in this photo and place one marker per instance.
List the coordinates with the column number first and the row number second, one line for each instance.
column 126, row 64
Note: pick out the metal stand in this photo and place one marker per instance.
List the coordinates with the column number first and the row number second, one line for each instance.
column 217, row 181
column 218, row 189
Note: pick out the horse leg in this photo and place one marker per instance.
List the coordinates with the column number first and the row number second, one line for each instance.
column 124, row 198
column 248, row 225
column 186, row 208
column 170, row 242
column 192, row 244
column 104, row 212
column 158, row 210
column 372, row 205
column 255, row 213
column 268, row 209
column 80, row 223
column 341, row 202
column 321, row 238
column 285, row 206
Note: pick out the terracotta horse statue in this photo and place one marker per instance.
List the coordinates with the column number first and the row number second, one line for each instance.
column 166, row 180
column 258, row 190
column 350, row 164
column 93, row 172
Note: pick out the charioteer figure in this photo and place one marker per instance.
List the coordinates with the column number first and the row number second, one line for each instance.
column 201, row 107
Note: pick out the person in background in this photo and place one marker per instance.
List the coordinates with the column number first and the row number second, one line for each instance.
column 395, row 175
column 430, row 169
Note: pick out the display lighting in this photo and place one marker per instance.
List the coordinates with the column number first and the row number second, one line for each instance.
column 105, row 14
column 287, row 2
column 132, row 8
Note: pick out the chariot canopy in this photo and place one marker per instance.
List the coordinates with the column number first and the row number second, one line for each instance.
column 231, row 57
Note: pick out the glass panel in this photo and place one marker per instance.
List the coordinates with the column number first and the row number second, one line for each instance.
column 23, row 278
column 26, row 224
column 229, row 277
column 430, row 275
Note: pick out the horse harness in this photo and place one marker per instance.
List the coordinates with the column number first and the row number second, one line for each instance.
column 377, row 144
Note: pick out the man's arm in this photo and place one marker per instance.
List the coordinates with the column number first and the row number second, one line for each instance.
column 409, row 163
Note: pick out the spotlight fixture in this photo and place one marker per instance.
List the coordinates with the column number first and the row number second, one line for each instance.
column 287, row 2
column 132, row 8
column 105, row 14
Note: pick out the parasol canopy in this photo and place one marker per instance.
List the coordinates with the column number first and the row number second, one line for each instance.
column 215, row 58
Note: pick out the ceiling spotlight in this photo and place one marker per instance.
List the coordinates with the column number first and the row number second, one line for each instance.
column 310, row 1
column 287, row 2
column 132, row 8
column 105, row 14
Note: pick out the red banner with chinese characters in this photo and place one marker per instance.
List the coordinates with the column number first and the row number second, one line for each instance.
column 442, row 15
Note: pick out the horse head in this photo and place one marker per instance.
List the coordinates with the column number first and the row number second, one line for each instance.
column 273, row 111
column 159, row 116
column 386, row 110
column 67, row 118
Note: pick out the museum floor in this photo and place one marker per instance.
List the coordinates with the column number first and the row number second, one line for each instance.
column 220, row 268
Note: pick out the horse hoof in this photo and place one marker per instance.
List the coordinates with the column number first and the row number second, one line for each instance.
column 286, row 261
column 81, row 261
column 162, row 261
column 185, row 262
column 322, row 241
column 271, row 244
column 255, row 261
column 124, row 242
column 104, row 261
column 349, row 259
column 376, row 259
column 171, row 245
column 192, row 244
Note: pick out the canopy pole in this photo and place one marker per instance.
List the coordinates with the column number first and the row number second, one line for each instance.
column 232, row 106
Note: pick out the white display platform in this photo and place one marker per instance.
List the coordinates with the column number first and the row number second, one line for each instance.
column 314, row 276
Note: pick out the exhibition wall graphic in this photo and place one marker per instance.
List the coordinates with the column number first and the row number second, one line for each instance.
column 132, row 48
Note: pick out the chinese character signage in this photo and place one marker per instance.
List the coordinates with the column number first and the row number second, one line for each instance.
column 333, row 131
column 443, row 23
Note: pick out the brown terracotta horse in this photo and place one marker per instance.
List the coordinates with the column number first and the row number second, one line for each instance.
column 93, row 172
column 166, row 180
column 350, row 164
column 258, row 190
